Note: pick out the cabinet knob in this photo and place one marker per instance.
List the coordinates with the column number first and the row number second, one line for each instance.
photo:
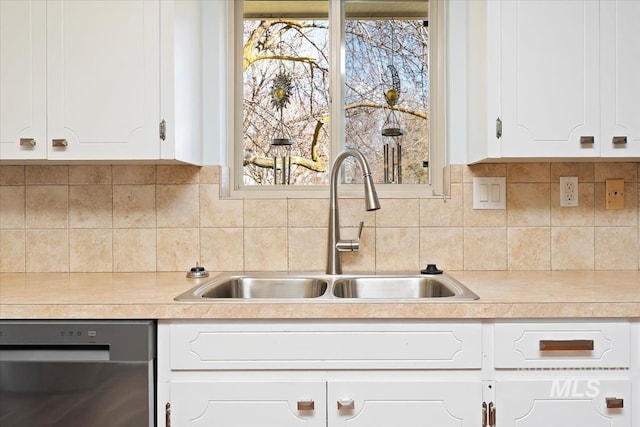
column 306, row 405
column 59, row 142
column 27, row 142
column 614, row 402
column 587, row 140
column 618, row 140
column 346, row 404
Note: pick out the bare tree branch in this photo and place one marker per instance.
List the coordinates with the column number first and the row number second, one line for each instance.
column 402, row 109
column 267, row 162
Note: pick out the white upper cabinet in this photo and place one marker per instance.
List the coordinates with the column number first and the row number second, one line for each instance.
column 561, row 80
column 550, row 78
column 85, row 80
column 23, row 89
column 620, row 78
column 103, row 70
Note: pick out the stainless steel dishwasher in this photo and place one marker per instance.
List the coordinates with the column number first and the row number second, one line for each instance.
column 77, row 373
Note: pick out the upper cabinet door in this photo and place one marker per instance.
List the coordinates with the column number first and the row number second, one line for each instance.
column 103, row 79
column 550, row 78
column 23, row 97
column 620, row 65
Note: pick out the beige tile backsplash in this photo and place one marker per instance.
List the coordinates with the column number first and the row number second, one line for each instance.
column 124, row 218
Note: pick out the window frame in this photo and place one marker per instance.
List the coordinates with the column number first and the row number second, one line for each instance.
column 438, row 186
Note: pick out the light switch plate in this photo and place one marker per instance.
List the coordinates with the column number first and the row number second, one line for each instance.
column 490, row 193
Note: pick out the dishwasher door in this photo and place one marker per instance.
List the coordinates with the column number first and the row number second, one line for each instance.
column 63, row 373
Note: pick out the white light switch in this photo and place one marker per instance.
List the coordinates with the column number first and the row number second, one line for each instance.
column 484, row 193
column 496, row 195
column 490, row 193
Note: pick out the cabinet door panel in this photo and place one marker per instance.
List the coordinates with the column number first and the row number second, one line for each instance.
column 569, row 402
column 103, row 79
column 404, row 404
column 23, row 68
column 247, row 404
column 620, row 77
column 550, row 78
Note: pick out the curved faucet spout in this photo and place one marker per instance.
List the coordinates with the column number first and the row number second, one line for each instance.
column 334, row 244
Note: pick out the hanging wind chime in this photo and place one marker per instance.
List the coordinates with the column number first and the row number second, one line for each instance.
column 281, row 141
column 392, row 132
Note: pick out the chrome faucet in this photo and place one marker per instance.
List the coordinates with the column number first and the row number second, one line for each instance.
column 334, row 243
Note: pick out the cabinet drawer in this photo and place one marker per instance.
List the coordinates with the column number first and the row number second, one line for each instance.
column 562, row 345
column 295, row 345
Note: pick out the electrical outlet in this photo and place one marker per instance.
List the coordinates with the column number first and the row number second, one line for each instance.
column 569, row 191
column 614, row 189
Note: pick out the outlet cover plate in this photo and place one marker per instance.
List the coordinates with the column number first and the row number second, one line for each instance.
column 614, row 189
column 568, row 191
column 490, row 193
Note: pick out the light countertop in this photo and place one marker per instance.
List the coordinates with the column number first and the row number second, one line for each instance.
column 503, row 294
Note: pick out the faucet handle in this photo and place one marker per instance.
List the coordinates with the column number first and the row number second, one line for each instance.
column 352, row 245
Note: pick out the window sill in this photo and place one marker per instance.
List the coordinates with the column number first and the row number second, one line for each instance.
column 351, row 191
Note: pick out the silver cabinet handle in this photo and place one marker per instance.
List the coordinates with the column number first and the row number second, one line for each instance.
column 565, row 345
column 59, row 142
column 346, row 404
column 587, row 140
column 619, row 140
column 27, row 142
column 306, row 405
column 614, row 402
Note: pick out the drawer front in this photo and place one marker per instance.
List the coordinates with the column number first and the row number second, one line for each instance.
column 562, row 345
column 325, row 346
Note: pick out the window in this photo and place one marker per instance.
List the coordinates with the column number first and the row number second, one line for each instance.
column 371, row 58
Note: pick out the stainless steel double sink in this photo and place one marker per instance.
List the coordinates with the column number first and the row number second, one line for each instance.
column 432, row 287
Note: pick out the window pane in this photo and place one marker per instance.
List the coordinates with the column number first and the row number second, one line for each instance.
column 286, row 94
column 387, row 93
column 286, row 90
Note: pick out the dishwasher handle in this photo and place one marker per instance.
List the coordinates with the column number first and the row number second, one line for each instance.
column 54, row 353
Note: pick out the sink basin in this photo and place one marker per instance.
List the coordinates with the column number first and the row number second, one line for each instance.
column 425, row 287
column 402, row 287
column 248, row 287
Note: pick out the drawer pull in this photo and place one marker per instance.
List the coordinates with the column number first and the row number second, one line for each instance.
column 306, row 405
column 27, row 142
column 614, row 402
column 346, row 404
column 565, row 345
column 619, row 140
column 587, row 140
column 59, row 142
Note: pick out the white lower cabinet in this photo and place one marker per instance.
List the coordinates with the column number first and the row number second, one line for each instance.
column 403, row 403
column 243, row 403
column 280, row 374
column 398, row 373
column 269, row 403
column 562, row 374
column 564, row 401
